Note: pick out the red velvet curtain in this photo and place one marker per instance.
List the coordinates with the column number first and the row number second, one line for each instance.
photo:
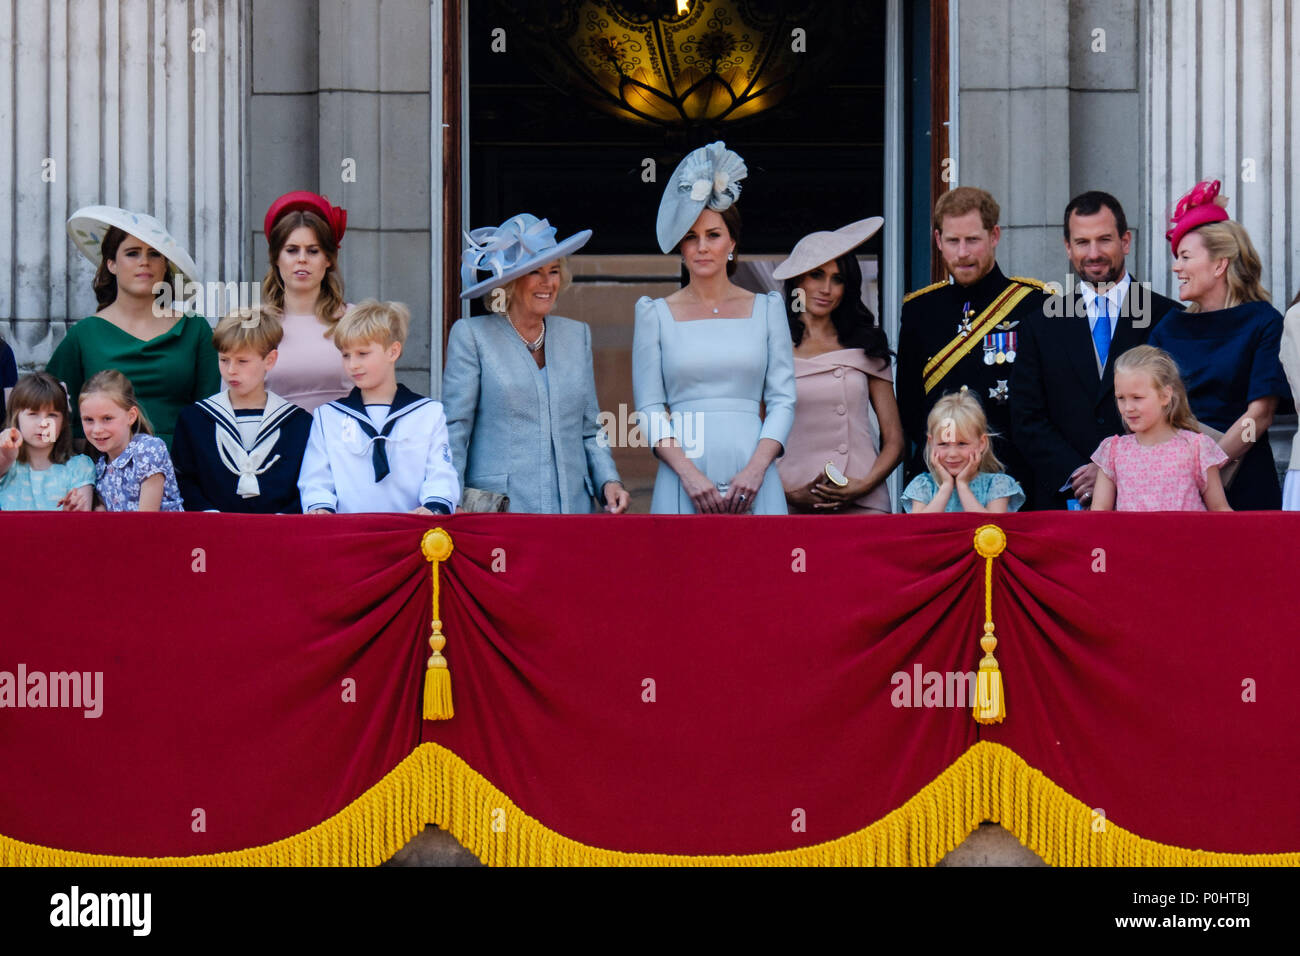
column 672, row 685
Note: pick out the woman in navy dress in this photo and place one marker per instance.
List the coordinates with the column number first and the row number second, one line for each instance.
column 1227, row 342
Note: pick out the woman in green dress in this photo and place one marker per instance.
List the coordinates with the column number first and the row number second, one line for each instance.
column 167, row 355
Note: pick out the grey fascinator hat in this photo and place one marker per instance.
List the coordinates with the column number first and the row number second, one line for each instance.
column 708, row 178
column 515, row 248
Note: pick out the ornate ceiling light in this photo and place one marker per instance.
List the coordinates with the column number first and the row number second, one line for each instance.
column 669, row 62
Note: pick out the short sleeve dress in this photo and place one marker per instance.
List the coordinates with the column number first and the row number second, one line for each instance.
column 1170, row 476
column 832, row 422
column 702, row 381
column 118, row 482
column 309, row 367
column 986, row 486
column 1228, row 358
column 168, row 372
column 23, row 488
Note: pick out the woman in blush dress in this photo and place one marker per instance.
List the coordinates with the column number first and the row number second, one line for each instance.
column 705, row 357
column 1227, row 342
column 304, row 290
column 842, row 373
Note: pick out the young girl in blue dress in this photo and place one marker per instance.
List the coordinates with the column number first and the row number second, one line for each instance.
column 964, row 474
column 38, row 471
column 135, row 471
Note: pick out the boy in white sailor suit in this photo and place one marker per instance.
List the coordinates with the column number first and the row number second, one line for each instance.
column 383, row 447
column 241, row 450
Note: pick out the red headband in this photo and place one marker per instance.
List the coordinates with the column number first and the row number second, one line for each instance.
column 303, row 201
column 1195, row 209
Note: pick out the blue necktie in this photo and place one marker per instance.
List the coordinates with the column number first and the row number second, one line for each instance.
column 1101, row 329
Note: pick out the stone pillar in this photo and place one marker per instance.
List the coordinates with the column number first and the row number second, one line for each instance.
column 1014, row 122
column 125, row 103
column 1223, row 102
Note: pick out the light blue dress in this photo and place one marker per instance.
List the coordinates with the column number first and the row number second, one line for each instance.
column 985, row 486
column 23, row 488
column 701, row 381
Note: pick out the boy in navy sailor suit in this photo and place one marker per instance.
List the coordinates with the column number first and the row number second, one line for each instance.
column 241, row 450
column 383, row 447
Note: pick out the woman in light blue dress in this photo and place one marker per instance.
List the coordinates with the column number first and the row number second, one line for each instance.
column 705, row 357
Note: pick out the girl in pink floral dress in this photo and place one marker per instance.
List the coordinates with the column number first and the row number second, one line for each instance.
column 1166, row 463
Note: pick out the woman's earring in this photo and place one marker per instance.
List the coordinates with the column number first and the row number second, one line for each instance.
column 730, row 256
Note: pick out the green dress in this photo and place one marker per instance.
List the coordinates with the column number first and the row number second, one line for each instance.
column 169, row 371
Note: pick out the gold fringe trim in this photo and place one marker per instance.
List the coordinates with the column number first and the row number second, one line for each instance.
column 987, row 782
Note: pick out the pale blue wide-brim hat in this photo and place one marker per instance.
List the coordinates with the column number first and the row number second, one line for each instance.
column 708, row 177
column 513, row 249
column 89, row 224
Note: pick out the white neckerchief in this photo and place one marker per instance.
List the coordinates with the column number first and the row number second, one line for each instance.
column 247, row 461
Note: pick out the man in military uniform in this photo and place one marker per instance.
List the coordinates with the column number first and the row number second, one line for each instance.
column 964, row 332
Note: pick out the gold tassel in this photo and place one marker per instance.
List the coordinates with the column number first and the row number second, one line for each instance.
column 990, row 701
column 437, row 547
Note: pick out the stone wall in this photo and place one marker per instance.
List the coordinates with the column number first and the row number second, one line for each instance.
column 1044, row 116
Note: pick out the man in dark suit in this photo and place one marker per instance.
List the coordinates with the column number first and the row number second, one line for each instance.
column 1063, row 388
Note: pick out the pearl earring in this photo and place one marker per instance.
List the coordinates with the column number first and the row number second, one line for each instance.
column 730, row 256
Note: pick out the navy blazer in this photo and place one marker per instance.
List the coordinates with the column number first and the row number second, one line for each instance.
column 502, row 418
column 1061, row 406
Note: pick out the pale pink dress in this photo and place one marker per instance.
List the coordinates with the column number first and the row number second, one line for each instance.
column 1170, row 476
column 309, row 370
column 832, row 423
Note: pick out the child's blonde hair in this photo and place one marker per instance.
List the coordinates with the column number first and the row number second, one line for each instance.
column 373, row 321
column 35, row 392
column 1162, row 368
column 959, row 413
column 257, row 329
column 117, row 387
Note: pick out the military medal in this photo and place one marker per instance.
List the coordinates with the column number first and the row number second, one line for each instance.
column 1000, row 340
column 1011, row 350
column 990, row 349
column 999, row 394
column 967, row 313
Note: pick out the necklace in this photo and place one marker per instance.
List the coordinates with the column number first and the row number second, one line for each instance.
column 700, row 299
column 536, row 344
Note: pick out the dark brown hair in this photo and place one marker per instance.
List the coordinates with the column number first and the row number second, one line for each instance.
column 105, row 283
column 731, row 219
column 35, row 392
column 330, row 301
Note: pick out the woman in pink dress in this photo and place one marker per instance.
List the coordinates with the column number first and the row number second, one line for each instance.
column 842, row 370
column 1165, row 463
column 304, row 288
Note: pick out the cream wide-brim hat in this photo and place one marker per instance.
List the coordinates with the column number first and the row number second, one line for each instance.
column 818, row 248
column 89, row 224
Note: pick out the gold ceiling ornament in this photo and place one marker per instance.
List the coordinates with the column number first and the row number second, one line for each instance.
column 673, row 63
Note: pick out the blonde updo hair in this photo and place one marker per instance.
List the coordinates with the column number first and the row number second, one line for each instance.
column 1162, row 368
column 959, row 413
column 1229, row 240
column 498, row 299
